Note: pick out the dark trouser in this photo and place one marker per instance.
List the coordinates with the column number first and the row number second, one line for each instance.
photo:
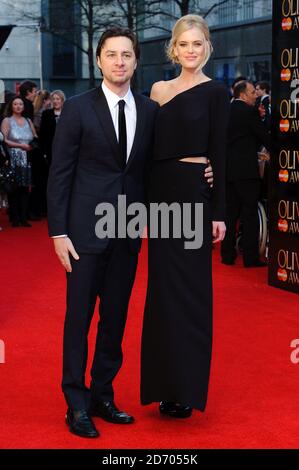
column 18, row 204
column 37, row 201
column 242, row 201
column 109, row 275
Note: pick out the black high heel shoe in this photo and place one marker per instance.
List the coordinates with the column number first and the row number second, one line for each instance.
column 176, row 410
column 25, row 224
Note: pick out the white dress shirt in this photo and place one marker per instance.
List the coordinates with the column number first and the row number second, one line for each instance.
column 130, row 114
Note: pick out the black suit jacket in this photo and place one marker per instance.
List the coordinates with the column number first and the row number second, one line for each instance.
column 28, row 109
column 47, row 132
column 266, row 120
column 245, row 134
column 86, row 167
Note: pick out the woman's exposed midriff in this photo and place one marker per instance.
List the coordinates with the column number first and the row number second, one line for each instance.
column 194, row 159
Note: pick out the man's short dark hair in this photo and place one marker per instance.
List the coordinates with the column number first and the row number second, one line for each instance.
column 241, row 88
column 117, row 32
column 265, row 86
column 26, row 87
column 237, row 80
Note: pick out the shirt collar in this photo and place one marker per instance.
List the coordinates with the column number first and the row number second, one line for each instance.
column 113, row 98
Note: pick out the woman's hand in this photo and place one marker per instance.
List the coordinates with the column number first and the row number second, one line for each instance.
column 209, row 174
column 219, row 230
column 25, row 147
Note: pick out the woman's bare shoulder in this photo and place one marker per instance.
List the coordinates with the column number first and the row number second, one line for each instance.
column 160, row 90
column 157, row 89
column 5, row 123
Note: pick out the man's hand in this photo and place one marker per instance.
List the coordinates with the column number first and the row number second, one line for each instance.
column 209, row 174
column 264, row 155
column 64, row 246
column 219, row 230
column 262, row 111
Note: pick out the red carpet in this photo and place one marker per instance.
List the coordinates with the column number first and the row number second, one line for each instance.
column 253, row 400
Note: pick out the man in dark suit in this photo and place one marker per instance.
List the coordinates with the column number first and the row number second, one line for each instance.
column 102, row 148
column 96, row 157
column 263, row 103
column 28, row 91
column 244, row 136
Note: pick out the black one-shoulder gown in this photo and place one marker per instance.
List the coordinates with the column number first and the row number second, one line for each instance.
column 177, row 328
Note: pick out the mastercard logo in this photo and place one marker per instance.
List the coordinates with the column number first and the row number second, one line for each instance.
column 283, row 225
column 284, row 125
column 286, row 24
column 284, row 176
column 282, row 275
column 285, row 75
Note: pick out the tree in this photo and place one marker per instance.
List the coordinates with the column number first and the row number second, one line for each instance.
column 75, row 22
column 189, row 6
column 86, row 19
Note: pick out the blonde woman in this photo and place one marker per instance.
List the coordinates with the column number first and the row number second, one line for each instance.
column 49, row 120
column 41, row 102
column 190, row 129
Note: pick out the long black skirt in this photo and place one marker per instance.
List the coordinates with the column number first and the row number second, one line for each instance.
column 177, row 328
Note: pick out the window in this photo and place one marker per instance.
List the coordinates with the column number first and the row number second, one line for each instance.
column 62, row 23
column 233, row 11
column 225, row 71
column 259, row 68
column 227, row 12
column 248, row 10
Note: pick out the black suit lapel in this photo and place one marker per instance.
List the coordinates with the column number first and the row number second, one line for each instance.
column 140, row 123
column 102, row 111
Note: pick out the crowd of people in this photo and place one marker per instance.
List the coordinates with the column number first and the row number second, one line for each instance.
column 28, row 121
column 248, row 135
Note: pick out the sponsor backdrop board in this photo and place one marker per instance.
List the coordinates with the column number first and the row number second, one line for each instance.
column 284, row 174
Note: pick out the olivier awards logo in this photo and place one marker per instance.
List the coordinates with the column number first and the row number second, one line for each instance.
column 289, row 73
column 290, row 13
column 289, row 118
column 289, row 60
column 288, row 213
column 288, row 267
column 284, row 231
column 288, row 166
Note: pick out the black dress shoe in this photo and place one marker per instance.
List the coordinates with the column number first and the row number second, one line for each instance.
column 256, row 264
column 80, row 423
column 34, row 218
column 176, row 410
column 25, row 224
column 229, row 262
column 109, row 412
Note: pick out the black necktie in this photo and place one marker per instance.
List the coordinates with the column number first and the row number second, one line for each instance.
column 122, row 132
